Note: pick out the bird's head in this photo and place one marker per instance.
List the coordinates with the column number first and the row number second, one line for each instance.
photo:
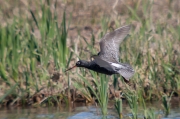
column 80, row 63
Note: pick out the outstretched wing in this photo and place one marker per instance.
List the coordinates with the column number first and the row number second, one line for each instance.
column 109, row 44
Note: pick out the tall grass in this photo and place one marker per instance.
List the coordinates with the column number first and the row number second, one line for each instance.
column 118, row 107
column 100, row 91
column 150, row 49
column 133, row 103
column 166, row 104
column 28, row 46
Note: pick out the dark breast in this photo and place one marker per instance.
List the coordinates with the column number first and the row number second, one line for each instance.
column 93, row 66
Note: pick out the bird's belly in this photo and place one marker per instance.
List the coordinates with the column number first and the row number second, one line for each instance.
column 102, row 70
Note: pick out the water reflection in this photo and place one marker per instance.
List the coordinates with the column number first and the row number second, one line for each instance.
column 78, row 111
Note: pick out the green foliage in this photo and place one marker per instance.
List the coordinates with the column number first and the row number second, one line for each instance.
column 28, row 45
column 100, row 91
column 149, row 113
column 133, row 103
column 166, row 104
column 118, row 106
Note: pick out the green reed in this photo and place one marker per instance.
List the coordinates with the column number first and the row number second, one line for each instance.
column 100, row 91
column 27, row 46
column 133, row 103
column 148, row 113
column 166, row 104
column 118, row 106
column 152, row 48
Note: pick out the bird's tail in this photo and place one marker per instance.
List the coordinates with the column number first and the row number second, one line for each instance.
column 126, row 71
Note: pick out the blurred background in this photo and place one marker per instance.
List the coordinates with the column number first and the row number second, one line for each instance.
column 39, row 39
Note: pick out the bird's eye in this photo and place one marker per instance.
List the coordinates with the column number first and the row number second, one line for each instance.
column 78, row 62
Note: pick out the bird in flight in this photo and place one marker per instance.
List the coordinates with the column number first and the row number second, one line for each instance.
column 107, row 60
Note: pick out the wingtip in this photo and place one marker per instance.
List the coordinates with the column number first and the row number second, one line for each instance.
column 125, row 27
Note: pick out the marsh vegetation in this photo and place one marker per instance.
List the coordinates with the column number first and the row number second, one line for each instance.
column 40, row 39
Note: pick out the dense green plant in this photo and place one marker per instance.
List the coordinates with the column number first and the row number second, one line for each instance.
column 100, row 91
column 28, row 46
column 118, row 106
column 149, row 113
column 166, row 104
column 133, row 103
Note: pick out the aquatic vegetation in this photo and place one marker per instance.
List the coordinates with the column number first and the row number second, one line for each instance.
column 148, row 113
column 118, row 107
column 166, row 104
column 133, row 103
column 28, row 51
column 38, row 43
column 100, row 91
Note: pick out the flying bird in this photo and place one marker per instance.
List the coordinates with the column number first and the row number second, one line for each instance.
column 107, row 60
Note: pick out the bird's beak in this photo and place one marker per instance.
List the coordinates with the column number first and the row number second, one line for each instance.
column 70, row 68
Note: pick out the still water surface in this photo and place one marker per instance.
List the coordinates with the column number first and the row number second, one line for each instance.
column 81, row 111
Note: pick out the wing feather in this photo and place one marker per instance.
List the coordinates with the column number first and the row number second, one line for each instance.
column 109, row 44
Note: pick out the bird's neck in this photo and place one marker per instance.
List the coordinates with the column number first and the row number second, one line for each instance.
column 86, row 64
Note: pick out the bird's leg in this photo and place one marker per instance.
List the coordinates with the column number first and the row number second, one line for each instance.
column 131, row 84
column 126, row 81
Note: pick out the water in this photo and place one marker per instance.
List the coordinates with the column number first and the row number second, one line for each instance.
column 79, row 112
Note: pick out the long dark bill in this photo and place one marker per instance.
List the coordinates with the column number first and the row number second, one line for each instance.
column 70, row 68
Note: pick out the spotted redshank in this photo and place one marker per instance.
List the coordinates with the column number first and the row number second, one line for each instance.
column 107, row 60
